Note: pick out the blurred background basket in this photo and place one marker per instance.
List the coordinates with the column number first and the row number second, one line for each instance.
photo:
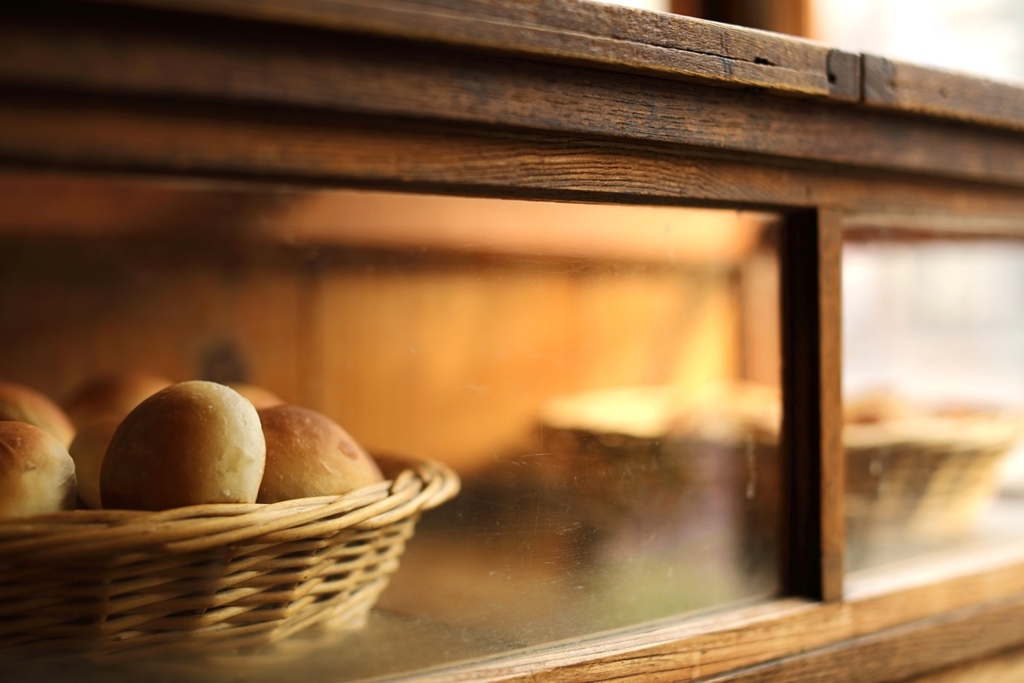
column 928, row 477
column 913, row 475
column 208, row 578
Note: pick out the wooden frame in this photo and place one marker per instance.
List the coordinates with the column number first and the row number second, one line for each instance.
column 567, row 101
column 810, row 256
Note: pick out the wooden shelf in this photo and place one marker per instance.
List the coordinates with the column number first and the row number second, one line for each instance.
column 227, row 120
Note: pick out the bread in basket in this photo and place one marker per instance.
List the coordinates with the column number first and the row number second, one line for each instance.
column 208, row 578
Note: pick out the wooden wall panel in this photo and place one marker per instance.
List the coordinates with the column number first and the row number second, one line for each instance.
column 457, row 364
column 613, row 37
column 273, row 313
column 73, row 311
column 443, row 356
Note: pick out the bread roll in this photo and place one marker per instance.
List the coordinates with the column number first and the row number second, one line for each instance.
column 19, row 403
column 309, row 454
column 36, row 473
column 88, row 450
column 189, row 444
column 258, row 396
column 878, row 406
column 111, row 395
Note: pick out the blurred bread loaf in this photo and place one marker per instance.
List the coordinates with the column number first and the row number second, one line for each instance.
column 258, row 396
column 192, row 443
column 877, row 407
column 36, row 473
column 19, row 403
column 111, row 395
column 308, row 454
column 88, row 450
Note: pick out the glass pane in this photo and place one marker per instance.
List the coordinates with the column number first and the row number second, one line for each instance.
column 604, row 379
column 934, row 384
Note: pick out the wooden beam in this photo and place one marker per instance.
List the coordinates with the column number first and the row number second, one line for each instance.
column 608, row 36
column 898, row 86
column 830, row 404
column 813, row 536
column 906, row 651
column 207, row 143
column 287, row 69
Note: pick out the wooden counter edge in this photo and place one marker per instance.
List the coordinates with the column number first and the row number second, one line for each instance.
column 780, row 639
column 595, row 35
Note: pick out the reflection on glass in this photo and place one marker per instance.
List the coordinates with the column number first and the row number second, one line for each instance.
column 934, row 383
column 603, row 378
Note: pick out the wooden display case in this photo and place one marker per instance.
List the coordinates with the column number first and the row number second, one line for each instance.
column 530, row 100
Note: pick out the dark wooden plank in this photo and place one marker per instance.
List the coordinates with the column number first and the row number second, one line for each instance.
column 844, row 71
column 925, row 225
column 385, row 78
column 801, row 540
column 365, row 152
column 915, row 89
column 600, row 35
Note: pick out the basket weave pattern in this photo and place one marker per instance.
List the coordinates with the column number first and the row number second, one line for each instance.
column 209, row 577
column 932, row 489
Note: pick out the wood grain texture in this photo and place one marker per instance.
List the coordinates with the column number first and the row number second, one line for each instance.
column 830, row 404
column 377, row 153
column 916, row 89
column 930, row 225
column 845, row 73
column 605, row 36
column 906, row 651
column 1007, row 667
column 382, row 78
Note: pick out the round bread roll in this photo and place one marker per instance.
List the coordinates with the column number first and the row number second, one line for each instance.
column 88, row 450
column 111, row 395
column 308, row 454
column 19, row 403
column 261, row 398
column 36, row 473
column 189, row 444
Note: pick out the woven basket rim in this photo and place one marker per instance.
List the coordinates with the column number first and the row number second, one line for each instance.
column 120, row 584
column 80, row 534
column 954, row 432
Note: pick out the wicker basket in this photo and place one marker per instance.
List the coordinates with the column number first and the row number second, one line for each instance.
column 927, row 477
column 207, row 578
column 910, row 476
column 620, row 446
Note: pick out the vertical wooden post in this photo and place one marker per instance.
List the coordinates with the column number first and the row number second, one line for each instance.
column 813, row 540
